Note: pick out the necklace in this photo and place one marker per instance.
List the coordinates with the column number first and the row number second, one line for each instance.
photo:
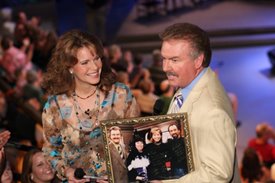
column 87, row 96
column 88, row 118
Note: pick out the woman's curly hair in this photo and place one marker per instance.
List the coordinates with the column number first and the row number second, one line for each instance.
column 57, row 79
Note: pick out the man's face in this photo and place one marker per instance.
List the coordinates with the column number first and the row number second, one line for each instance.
column 178, row 64
column 174, row 131
column 115, row 136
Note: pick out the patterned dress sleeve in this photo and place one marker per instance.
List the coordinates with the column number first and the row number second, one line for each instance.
column 132, row 107
column 52, row 148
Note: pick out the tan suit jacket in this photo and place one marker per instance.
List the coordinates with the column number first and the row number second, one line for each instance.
column 213, row 133
column 118, row 164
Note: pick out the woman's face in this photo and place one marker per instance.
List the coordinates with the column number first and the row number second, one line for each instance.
column 88, row 68
column 139, row 145
column 41, row 169
column 156, row 137
column 7, row 175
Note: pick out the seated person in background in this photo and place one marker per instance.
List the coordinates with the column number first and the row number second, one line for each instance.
column 234, row 102
column 123, row 77
column 139, row 72
column 157, row 73
column 36, row 168
column 32, row 88
column 116, row 61
column 167, row 93
column 261, row 144
column 145, row 97
column 252, row 169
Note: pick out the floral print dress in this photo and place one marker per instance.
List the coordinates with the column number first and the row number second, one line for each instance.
column 81, row 146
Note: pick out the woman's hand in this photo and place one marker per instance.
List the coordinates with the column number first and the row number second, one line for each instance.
column 4, row 137
column 105, row 180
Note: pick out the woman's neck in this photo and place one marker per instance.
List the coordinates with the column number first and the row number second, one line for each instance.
column 85, row 90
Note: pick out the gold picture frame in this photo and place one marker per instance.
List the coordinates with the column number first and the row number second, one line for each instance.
column 133, row 128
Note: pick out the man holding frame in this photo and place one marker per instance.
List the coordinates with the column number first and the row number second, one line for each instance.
column 186, row 55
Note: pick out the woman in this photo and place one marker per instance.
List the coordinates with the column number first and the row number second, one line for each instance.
column 82, row 91
column 36, row 169
column 137, row 162
column 158, row 155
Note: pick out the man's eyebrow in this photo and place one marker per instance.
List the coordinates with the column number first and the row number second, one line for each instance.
column 171, row 58
column 174, row 57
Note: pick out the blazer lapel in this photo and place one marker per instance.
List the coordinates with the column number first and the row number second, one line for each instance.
column 195, row 92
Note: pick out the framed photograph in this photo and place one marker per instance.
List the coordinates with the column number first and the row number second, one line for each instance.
column 147, row 148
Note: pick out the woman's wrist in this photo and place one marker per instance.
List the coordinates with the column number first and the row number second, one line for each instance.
column 68, row 172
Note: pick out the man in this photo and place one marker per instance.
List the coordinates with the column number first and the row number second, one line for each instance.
column 186, row 57
column 118, row 155
column 177, row 148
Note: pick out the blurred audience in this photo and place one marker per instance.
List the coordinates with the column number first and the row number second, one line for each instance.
column 21, row 84
column 157, row 74
column 252, row 170
column 7, row 25
column 14, row 58
column 129, row 59
column 139, row 72
column 264, row 133
column 96, row 17
column 32, row 88
column 115, row 57
column 167, row 93
column 145, row 97
column 123, row 77
column 43, row 49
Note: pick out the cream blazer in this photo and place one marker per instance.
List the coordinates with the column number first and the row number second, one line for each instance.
column 213, row 133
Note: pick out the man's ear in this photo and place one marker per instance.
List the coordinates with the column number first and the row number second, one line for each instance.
column 199, row 61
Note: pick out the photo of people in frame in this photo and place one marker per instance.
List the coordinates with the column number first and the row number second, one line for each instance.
column 150, row 151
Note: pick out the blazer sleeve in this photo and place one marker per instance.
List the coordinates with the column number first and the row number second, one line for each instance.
column 216, row 150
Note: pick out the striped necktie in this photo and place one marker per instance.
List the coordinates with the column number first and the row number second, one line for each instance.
column 120, row 151
column 177, row 103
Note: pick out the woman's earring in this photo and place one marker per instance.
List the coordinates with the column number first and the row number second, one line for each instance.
column 71, row 72
column 31, row 176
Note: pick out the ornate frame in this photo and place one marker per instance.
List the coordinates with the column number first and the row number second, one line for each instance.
column 128, row 126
